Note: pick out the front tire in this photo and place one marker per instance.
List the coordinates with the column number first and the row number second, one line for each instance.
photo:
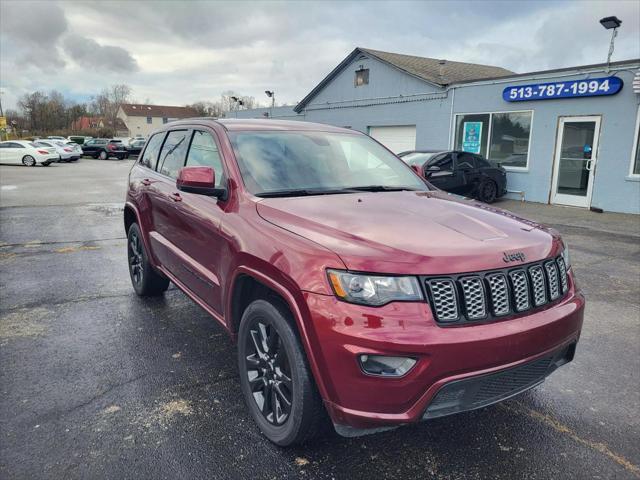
column 275, row 377
column 145, row 280
column 487, row 191
column 28, row 161
column 103, row 155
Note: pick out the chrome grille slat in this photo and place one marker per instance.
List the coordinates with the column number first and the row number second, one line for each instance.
column 563, row 274
column 520, row 290
column 474, row 297
column 499, row 293
column 445, row 302
column 538, row 284
column 552, row 278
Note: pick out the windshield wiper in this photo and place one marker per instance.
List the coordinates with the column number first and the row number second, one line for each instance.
column 302, row 192
column 381, row 188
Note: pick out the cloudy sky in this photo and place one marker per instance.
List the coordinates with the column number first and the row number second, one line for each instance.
column 180, row 52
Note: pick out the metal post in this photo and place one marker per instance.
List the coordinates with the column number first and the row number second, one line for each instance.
column 611, row 47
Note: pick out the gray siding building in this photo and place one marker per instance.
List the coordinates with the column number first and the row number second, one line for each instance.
column 566, row 136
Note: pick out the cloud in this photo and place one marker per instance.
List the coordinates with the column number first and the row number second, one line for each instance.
column 181, row 52
column 32, row 30
column 90, row 54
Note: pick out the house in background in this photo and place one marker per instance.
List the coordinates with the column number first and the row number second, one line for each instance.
column 87, row 123
column 143, row 119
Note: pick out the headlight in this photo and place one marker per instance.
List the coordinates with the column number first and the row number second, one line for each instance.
column 373, row 290
column 565, row 255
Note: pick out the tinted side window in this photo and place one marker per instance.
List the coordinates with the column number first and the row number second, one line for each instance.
column 466, row 161
column 444, row 162
column 150, row 156
column 173, row 153
column 204, row 153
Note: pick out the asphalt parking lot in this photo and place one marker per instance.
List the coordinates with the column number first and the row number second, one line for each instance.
column 98, row 383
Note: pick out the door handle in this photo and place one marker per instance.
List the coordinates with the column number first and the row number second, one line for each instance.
column 146, row 182
column 175, row 197
column 588, row 165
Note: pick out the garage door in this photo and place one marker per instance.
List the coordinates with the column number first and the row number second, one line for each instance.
column 397, row 139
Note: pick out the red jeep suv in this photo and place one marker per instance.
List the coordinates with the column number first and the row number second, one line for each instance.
column 356, row 291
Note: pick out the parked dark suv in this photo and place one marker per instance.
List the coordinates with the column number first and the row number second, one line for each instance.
column 103, row 148
column 458, row 172
column 355, row 291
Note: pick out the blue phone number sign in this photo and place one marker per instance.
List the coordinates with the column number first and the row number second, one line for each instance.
column 569, row 89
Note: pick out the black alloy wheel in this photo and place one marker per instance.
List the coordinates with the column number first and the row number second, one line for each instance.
column 487, row 191
column 275, row 377
column 145, row 279
column 269, row 372
column 135, row 258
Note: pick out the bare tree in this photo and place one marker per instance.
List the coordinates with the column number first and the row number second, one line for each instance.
column 208, row 109
column 107, row 102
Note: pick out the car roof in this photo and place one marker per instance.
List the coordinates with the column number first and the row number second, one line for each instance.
column 252, row 124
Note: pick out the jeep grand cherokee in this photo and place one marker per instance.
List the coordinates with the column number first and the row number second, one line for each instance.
column 355, row 290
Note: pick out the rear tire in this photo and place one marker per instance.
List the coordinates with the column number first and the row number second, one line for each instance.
column 28, row 161
column 487, row 191
column 103, row 155
column 275, row 376
column 146, row 281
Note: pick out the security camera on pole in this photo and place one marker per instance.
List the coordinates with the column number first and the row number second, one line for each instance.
column 272, row 95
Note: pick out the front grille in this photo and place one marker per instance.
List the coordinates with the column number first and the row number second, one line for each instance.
column 486, row 295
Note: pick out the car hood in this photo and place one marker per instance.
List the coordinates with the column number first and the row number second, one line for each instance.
column 411, row 232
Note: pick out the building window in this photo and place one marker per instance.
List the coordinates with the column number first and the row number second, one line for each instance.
column 634, row 171
column 499, row 137
column 362, row 77
column 165, row 119
column 149, row 120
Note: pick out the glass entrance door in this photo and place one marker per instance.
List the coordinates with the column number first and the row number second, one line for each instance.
column 575, row 161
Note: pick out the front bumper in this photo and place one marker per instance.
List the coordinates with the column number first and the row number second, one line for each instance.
column 445, row 354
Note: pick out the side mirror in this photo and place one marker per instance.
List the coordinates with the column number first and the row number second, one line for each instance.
column 431, row 169
column 200, row 180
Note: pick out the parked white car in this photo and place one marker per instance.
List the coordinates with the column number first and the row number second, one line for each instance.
column 27, row 153
column 67, row 153
column 77, row 149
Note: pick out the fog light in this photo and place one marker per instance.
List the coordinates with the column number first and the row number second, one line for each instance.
column 386, row 366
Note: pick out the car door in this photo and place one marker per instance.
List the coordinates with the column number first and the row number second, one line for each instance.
column 445, row 176
column 6, row 153
column 89, row 147
column 466, row 165
column 198, row 233
column 167, row 228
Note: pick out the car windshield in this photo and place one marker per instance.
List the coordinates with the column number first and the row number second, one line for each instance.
column 417, row 158
column 307, row 163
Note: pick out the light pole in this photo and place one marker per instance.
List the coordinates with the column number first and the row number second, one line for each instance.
column 272, row 95
column 611, row 23
column 236, row 100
